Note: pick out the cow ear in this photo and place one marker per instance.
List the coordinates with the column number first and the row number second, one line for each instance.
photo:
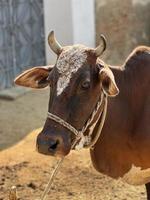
column 35, row 77
column 108, row 82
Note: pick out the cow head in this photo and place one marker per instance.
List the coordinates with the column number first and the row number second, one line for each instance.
column 76, row 82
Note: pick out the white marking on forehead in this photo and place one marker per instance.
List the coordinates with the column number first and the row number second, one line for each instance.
column 70, row 60
column 137, row 176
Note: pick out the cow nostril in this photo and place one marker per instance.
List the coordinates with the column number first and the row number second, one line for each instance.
column 53, row 145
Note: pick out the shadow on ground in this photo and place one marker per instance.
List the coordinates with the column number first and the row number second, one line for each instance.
column 22, row 115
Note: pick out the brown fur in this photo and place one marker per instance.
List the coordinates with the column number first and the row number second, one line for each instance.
column 126, row 134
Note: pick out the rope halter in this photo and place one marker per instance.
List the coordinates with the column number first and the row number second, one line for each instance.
column 82, row 140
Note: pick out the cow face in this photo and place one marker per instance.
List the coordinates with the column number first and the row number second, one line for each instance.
column 76, row 82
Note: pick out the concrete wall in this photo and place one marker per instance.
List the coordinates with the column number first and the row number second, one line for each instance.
column 60, row 22
column 72, row 21
column 126, row 24
column 83, row 16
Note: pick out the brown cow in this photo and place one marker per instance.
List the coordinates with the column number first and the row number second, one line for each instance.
column 77, row 81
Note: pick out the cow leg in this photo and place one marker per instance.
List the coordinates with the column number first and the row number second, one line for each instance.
column 148, row 190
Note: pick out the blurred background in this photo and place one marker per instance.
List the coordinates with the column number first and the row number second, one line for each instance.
column 24, row 27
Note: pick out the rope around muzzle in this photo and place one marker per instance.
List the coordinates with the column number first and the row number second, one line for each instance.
column 79, row 135
column 82, row 140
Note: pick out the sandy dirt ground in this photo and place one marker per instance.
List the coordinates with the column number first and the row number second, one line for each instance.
column 22, row 166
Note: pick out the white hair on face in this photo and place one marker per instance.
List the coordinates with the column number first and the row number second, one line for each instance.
column 68, row 63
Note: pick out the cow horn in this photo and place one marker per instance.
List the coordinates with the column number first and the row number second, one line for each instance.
column 101, row 48
column 54, row 45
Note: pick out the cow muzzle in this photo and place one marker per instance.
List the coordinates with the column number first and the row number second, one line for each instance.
column 52, row 145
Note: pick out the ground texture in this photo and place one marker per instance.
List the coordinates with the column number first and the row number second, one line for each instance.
column 22, row 166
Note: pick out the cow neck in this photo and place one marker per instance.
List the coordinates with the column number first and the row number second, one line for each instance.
column 82, row 140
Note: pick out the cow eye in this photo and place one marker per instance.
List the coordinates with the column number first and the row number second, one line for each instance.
column 86, row 85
